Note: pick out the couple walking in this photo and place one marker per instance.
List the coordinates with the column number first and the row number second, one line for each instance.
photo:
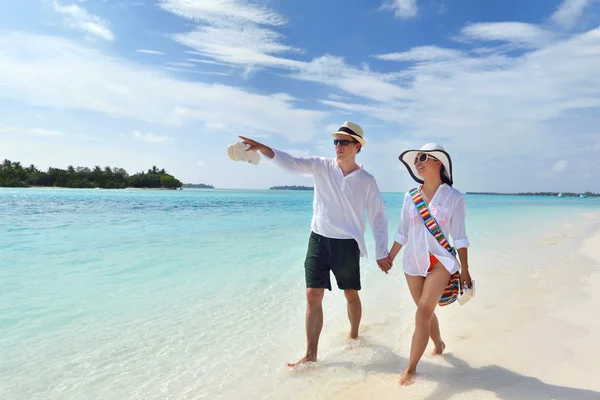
column 344, row 190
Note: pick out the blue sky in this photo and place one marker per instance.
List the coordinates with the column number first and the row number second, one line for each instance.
column 510, row 88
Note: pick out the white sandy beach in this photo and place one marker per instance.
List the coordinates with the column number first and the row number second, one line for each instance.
column 531, row 332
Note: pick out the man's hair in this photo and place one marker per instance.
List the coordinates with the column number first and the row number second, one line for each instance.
column 359, row 147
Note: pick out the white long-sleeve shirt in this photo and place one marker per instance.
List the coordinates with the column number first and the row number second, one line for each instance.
column 448, row 209
column 340, row 201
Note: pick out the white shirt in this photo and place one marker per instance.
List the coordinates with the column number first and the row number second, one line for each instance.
column 448, row 209
column 340, row 201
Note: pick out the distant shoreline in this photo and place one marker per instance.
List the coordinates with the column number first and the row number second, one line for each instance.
column 546, row 194
column 90, row 188
column 308, row 188
column 293, row 187
column 197, row 186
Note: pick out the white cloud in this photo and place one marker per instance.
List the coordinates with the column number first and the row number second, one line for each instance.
column 32, row 131
column 192, row 71
column 211, row 11
column 402, row 8
column 58, row 73
column 486, row 104
column 422, row 53
column 337, row 97
column 475, row 102
column 329, row 129
column 238, row 43
column 386, row 112
column 200, row 163
column 559, row 166
column 232, row 31
column 153, row 52
column 518, row 33
column 569, row 12
column 181, row 64
column 333, row 71
column 76, row 17
column 196, row 60
column 150, row 137
column 46, row 132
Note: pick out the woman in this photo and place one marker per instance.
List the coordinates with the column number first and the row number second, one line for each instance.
column 432, row 271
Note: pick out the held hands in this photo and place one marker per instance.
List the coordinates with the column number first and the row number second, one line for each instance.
column 385, row 264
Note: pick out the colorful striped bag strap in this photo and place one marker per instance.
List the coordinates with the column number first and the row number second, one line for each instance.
column 429, row 221
column 453, row 288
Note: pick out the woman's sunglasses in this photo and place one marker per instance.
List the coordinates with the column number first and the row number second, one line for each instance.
column 424, row 157
column 343, row 142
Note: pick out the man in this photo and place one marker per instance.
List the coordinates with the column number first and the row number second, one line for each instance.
column 343, row 191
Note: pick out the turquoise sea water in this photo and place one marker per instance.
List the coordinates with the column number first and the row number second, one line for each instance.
column 185, row 294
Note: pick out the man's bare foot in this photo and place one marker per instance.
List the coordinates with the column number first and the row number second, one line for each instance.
column 406, row 377
column 438, row 350
column 351, row 343
column 304, row 360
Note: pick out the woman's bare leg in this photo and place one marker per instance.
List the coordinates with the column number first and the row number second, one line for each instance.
column 415, row 285
column 434, row 286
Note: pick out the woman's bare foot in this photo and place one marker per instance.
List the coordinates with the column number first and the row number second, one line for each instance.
column 304, row 360
column 406, row 377
column 438, row 350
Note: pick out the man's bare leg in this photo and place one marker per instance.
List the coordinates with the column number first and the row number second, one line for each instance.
column 354, row 311
column 314, row 324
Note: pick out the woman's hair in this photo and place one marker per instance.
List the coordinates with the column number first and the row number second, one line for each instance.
column 443, row 176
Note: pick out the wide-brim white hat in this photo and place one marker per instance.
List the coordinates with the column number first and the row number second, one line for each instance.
column 408, row 159
column 237, row 152
column 353, row 130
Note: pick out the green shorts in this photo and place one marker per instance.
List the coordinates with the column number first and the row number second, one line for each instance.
column 341, row 256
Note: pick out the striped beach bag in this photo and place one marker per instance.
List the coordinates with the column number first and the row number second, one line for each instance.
column 453, row 287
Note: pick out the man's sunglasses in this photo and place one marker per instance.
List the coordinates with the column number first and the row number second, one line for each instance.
column 424, row 157
column 343, row 142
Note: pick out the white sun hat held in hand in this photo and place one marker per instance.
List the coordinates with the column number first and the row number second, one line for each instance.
column 237, row 152
column 230, row 152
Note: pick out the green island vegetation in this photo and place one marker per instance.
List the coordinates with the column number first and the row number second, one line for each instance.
column 197, row 186
column 293, row 187
column 550, row 194
column 13, row 174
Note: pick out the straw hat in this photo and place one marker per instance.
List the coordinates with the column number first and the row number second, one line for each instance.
column 351, row 129
column 408, row 159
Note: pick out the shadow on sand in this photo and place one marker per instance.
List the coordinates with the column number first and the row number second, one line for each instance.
column 462, row 378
